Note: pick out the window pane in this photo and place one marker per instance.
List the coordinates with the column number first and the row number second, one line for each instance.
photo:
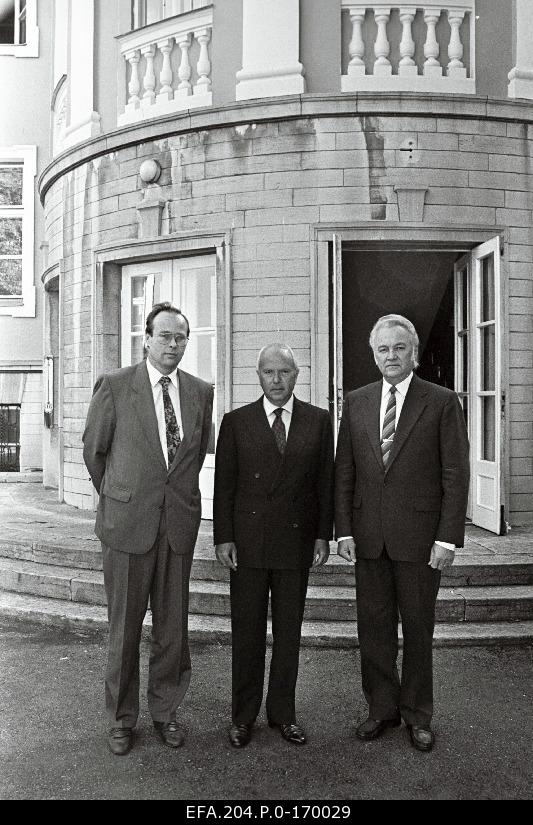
column 7, row 21
column 488, row 355
column 137, row 346
column 466, row 377
column 10, row 277
column 488, row 428
column 464, row 299
column 11, row 185
column 487, row 289
column 199, row 356
column 10, row 236
column 464, row 402
column 197, row 287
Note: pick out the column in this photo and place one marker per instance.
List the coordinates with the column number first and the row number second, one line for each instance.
column 521, row 76
column 271, row 50
column 84, row 122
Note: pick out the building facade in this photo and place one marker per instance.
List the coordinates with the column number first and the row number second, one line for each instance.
column 25, row 60
column 293, row 170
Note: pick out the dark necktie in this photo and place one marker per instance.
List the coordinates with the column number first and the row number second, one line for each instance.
column 171, row 422
column 278, row 428
column 389, row 427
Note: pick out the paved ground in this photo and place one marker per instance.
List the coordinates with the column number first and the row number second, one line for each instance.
column 52, row 743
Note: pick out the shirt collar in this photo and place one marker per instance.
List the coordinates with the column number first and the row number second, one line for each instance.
column 154, row 375
column 269, row 407
column 402, row 387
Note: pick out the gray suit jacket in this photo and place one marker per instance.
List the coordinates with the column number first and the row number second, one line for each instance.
column 123, row 454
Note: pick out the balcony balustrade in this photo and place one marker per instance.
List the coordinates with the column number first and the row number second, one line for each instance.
column 168, row 66
column 406, row 47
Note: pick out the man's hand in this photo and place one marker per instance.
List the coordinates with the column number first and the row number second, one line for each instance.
column 321, row 553
column 227, row 554
column 346, row 550
column 441, row 557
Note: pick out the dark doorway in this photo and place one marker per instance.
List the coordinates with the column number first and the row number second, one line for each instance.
column 418, row 285
column 9, row 438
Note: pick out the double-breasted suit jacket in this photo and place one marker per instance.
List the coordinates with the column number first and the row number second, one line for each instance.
column 123, row 453
column 274, row 507
column 422, row 495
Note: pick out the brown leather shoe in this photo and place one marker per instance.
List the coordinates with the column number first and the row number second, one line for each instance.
column 120, row 741
column 291, row 733
column 422, row 737
column 240, row 734
column 372, row 728
column 171, row 733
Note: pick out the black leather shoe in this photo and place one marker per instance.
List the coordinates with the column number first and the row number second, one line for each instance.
column 171, row 733
column 291, row 733
column 240, row 735
column 372, row 728
column 422, row 737
column 120, row 741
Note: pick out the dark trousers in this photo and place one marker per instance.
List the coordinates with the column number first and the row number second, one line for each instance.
column 385, row 587
column 249, row 605
column 130, row 579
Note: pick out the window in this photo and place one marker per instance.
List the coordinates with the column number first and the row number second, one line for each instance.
column 17, row 173
column 9, row 438
column 19, row 35
column 145, row 12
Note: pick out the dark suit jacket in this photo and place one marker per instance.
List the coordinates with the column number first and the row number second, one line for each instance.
column 123, row 454
column 423, row 494
column 274, row 508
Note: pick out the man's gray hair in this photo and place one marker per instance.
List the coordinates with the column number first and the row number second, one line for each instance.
column 282, row 348
column 388, row 321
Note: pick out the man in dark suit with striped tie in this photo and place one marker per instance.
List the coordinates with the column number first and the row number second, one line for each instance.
column 273, row 518
column 401, row 492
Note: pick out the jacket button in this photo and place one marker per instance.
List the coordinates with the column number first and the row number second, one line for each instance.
column 257, row 475
column 253, row 512
column 295, row 525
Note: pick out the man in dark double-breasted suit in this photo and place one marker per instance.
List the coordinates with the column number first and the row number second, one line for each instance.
column 401, row 491
column 273, row 519
column 145, row 441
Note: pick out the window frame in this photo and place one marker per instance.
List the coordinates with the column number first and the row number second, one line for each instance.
column 22, row 305
column 31, row 47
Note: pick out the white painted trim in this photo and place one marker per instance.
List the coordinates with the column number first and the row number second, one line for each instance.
column 31, row 47
column 521, row 75
column 84, row 122
column 28, row 156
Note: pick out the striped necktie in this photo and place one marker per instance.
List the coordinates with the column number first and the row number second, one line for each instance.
column 389, row 427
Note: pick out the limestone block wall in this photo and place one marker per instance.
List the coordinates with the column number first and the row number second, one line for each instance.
column 270, row 184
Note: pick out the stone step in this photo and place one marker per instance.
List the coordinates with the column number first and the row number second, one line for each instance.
column 337, row 604
column 468, row 571
column 84, row 618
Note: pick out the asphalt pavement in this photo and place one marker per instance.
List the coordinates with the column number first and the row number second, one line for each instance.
column 53, row 743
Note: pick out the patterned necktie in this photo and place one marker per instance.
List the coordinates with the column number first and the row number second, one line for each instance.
column 171, row 422
column 389, row 427
column 278, row 428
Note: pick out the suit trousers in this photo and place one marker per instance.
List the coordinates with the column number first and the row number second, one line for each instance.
column 384, row 589
column 249, row 606
column 130, row 579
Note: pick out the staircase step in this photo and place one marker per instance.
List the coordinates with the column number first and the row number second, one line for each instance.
column 216, row 629
column 459, row 604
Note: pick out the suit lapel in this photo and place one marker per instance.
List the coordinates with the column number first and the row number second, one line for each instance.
column 371, row 418
column 143, row 404
column 190, row 408
column 298, row 433
column 260, row 428
column 414, row 403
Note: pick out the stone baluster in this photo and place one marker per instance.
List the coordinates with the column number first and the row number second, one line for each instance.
column 356, row 65
column 134, row 86
column 149, row 76
column 203, row 68
column 432, row 66
column 165, row 77
column 382, row 64
column 184, row 71
column 407, row 66
column 456, row 67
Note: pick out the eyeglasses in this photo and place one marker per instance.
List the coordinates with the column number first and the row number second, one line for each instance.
column 168, row 337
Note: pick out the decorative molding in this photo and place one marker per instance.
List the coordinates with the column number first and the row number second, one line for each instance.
column 411, row 202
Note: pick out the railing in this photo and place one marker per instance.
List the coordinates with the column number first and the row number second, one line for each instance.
column 408, row 47
column 168, row 66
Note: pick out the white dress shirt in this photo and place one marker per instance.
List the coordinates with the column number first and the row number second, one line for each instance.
column 286, row 415
column 401, row 392
column 174, row 392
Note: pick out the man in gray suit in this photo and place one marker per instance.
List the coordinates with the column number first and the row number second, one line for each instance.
column 145, row 441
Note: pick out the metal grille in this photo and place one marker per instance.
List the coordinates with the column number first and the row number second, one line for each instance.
column 9, row 438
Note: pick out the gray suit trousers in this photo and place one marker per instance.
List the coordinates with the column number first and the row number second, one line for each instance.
column 130, row 580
